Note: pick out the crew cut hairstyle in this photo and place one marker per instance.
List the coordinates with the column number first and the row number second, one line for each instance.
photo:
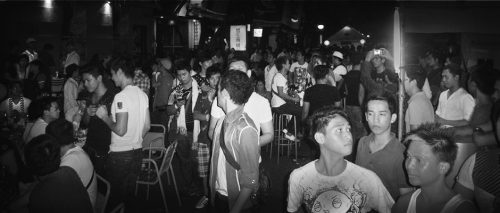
column 92, row 70
column 439, row 139
column 238, row 85
column 454, row 69
column 71, row 69
column 321, row 117
column 482, row 77
column 416, row 73
column 320, row 71
column 125, row 65
column 62, row 131
column 42, row 155
column 182, row 64
column 280, row 61
column 389, row 99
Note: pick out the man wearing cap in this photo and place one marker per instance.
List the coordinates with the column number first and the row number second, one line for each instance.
column 30, row 51
column 338, row 68
column 376, row 77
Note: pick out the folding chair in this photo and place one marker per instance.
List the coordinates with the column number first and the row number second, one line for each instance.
column 151, row 173
column 155, row 137
column 103, row 197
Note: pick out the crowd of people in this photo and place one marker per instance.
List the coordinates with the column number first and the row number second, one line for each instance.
column 218, row 106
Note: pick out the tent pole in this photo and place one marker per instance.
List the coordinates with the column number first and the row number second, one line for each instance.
column 398, row 61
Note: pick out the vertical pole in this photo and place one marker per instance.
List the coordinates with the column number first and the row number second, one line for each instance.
column 398, row 61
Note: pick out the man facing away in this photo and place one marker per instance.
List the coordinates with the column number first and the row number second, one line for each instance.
column 129, row 122
column 234, row 170
column 332, row 183
column 419, row 109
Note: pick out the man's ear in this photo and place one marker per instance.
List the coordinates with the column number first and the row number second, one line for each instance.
column 444, row 167
column 394, row 116
column 319, row 137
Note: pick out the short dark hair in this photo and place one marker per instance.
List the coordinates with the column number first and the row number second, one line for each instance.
column 182, row 64
column 436, row 54
column 71, row 69
column 212, row 70
column 320, row 71
column 280, row 61
column 416, row 73
column 62, row 131
column 439, row 139
column 482, row 76
column 42, row 155
column 238, row 85
column 38, row 106
column 389, row 99
column 454, row 69
column 125, row 65
column 91, row 70
column 321, row 117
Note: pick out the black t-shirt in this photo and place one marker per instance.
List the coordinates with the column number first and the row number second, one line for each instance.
column 98, row 132
column 352, row 81
column 321, row 95
column 60, row 191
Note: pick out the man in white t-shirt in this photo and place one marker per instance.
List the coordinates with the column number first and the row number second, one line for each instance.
column 48, row 110
column 129, row 122
column 269, row 71
column 298, row 71
column 257, row 108
column 331, row 183
column 338, row 68
column 74, row 156
column 455, row 104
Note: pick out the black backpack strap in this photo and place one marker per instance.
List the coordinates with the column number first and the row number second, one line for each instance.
column 91, row 179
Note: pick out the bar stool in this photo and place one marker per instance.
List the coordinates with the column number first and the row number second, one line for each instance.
column 276, row 133
column 282, row 140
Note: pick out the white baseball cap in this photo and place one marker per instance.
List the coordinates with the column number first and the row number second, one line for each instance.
column 338, row 55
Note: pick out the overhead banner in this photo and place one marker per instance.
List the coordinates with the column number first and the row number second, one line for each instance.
column 238, row 37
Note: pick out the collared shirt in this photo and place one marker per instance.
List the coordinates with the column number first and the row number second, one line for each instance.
column 142, row 81
column 457, row 106
column 419, row 111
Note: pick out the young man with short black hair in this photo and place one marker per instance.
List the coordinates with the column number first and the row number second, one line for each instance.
column 129, row 122
column 420, row 108
column 380, row 151
column 234, row 170
column 332, row 183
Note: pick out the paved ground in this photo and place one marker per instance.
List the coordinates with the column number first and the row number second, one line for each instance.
column 279, row 178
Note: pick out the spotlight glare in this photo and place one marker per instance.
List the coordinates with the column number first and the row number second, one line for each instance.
column 320, row 26
column 326, row 43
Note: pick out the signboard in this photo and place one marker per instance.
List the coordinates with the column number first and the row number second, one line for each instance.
column 257, row 32
column 238, row 37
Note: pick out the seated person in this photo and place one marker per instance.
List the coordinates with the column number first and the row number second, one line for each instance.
column 16, row 105
column 74, row 156
column 59, row 189
column 431, row 153
column 331, row 183
column 44, row 110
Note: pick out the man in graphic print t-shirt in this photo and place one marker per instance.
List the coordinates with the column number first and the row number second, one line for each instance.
column 332, row 184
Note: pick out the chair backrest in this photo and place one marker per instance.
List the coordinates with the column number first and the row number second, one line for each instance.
column 155, row 137
column 102, row 194
column 169, row 155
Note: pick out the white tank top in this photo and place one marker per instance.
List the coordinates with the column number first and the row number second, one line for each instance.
column 450, row 206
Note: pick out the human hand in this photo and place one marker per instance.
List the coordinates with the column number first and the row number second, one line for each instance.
column 182, row 131
column 369, row 55
column 102, row 111
column 180, row 103
column 91, row 110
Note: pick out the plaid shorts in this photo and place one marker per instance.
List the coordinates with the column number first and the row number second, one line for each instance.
column 203, row 158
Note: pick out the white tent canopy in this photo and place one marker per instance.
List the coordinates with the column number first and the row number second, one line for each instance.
column 347, row 34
